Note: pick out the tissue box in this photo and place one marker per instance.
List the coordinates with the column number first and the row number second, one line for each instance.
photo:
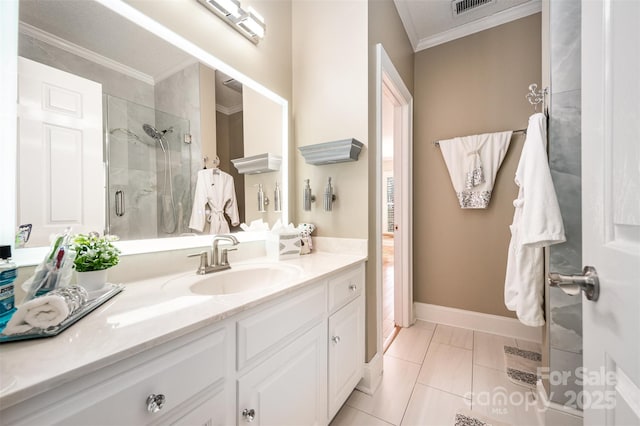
column 283, row 246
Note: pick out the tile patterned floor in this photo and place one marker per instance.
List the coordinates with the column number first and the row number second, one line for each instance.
column 432, row 371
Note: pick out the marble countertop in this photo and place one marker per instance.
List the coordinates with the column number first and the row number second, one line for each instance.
column 146, row 314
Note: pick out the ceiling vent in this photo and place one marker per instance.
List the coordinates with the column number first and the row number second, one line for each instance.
column 462, row 6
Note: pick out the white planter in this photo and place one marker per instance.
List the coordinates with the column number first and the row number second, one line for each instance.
column 92, row 280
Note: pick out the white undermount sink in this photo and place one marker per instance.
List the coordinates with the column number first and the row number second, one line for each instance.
column 238, row 279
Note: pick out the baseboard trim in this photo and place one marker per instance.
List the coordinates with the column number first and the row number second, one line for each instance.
column 372, row 375
column 487, row 323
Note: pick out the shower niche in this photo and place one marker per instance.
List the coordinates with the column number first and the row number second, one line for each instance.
column 148, row 171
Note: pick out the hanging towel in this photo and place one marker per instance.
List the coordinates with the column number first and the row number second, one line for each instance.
column 473, row 163
column 215, row 195
column 537, row 223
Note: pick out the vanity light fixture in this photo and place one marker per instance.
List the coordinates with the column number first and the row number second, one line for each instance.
column 227, row 8
column 248, row 22
column 252, row 23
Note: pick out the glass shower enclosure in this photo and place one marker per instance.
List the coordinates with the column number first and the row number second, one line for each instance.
column 148, row 176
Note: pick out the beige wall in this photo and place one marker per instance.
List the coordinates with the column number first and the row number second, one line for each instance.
column 468, row 86
column 330, row 103
column 384, row 26
column 261, row 136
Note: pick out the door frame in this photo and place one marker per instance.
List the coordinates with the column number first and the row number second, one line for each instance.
column 388, row 78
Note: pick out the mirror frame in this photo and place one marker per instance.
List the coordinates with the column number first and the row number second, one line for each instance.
column 9, row 18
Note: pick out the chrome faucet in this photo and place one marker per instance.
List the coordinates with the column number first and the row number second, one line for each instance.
column 221, row 261
column 218, row 262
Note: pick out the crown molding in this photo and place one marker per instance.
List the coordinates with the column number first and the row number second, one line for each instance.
column 82, row 52
column 481, row 24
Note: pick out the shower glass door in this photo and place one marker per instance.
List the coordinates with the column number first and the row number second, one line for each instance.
column 149, row 177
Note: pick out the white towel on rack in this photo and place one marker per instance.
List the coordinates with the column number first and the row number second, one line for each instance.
column 537, row 223
column 473, row 163
column 215, row 195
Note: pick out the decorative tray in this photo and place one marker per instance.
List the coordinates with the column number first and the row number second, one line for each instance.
column 96, row 298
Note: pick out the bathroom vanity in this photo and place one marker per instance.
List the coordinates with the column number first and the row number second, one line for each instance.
column 167, row 352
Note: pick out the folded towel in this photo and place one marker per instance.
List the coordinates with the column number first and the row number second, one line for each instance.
column 46, row 311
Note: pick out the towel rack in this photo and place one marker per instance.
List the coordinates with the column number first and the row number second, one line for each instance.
column 437, row 143
column 534, row 97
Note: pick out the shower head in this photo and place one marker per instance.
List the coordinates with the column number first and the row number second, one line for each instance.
column 155, row 133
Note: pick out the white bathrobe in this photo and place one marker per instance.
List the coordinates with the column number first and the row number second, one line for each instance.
column 215, row 195
column 537, row 223
column 473, row 163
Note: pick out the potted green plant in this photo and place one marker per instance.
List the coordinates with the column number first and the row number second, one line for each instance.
column 95, row 254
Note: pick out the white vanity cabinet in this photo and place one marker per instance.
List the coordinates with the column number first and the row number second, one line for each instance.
column 291, row 360
column 186, row 378
column 346, row 336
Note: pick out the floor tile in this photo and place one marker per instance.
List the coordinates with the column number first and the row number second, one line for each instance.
column 489, row 349
column 425, row 324
column 411, row 344
column 495, row 396
column 529, row 346
column 429, row 406
column 447, row 368
column 348, row 416
column 390, row 399
column 454, row 336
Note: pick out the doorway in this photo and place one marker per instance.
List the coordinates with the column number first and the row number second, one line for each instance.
column 394, row 259
column 389, row 325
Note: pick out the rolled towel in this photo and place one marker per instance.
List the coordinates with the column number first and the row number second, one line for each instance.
column 46, row 311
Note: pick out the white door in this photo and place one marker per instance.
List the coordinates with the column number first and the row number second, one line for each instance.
column 611, row 209
column 60, row 166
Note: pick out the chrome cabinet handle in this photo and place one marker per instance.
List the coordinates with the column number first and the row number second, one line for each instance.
column 120, row 203
column 155, row 402
column 335, row 339
column 249, row 414
column 353, row 287
column 572, row 285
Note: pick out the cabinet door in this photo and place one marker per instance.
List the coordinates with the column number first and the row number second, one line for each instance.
column 289, row 388
column 211, row 410
column 346, row 353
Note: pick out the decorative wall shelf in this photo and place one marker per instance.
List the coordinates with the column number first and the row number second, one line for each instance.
column 263, row 163
column 332, row 152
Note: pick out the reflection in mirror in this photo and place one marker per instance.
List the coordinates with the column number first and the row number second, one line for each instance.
column 161, row 113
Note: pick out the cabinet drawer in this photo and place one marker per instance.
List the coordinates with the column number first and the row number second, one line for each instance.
column 345, row 287
column 270, row 327
column 121, row 399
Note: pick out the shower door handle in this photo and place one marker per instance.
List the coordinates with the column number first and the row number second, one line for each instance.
column 119, row 203
column 572, row 285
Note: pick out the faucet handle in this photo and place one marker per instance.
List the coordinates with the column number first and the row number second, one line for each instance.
column 204, row 262
column 224, row 260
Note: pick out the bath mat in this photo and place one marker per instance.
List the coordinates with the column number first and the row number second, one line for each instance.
column 471, row 418
column 522, row 366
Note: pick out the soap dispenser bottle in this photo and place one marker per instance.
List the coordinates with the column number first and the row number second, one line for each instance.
column 8, row 274
column 262, row 200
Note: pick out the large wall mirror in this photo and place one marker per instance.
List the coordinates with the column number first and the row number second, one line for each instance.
column 127, row 128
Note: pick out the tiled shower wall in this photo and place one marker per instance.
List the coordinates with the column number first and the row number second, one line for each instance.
column 565, row 312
